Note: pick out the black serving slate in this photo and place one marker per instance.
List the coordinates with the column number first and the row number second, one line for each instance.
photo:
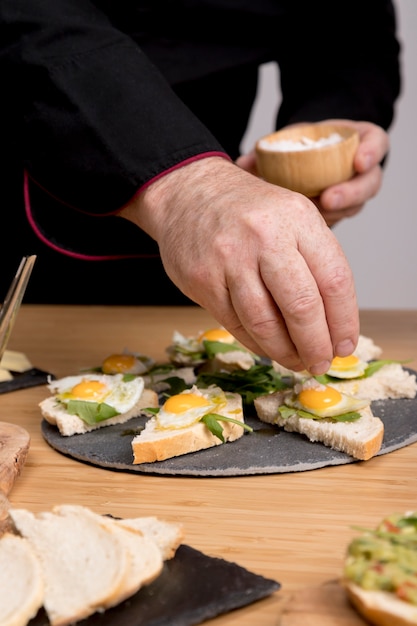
column 268, row 450
column 30, row 378
column 191, row 589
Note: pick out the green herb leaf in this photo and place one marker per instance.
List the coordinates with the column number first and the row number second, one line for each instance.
column 215, row 347
column 91, row 412
column 258, row 380
column 286, row 412
column 212, row 421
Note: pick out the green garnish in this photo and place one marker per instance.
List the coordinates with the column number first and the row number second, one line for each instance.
column 215, row 347
column 370, row 370
column 286, row 412
column 91, row 412
column 258, row 380
column 212, row 421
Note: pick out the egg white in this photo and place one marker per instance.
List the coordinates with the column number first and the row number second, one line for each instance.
column 141, row 363
column 120, row 394
column 354, row 371
column 216, row 401
column 347, row 404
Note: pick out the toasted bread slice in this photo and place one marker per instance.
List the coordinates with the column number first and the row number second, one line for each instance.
column 362, row 438
column 155, row 444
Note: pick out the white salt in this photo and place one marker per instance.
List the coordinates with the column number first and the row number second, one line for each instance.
column 304, row 143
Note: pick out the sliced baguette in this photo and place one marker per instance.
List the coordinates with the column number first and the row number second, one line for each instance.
column 69, row 425
column 21, row 581
column 381, row 607
column 154, row 444
column 84, row 563
column 361, row 439
column 92, row 562
column 144, row 555
column 166, row 535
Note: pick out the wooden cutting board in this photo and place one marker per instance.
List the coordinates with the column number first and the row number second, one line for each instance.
column 321, row 605
column 14, row 447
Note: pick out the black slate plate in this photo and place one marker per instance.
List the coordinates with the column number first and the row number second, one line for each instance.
column 268, row 450
column 191, row 589
column 30, row 378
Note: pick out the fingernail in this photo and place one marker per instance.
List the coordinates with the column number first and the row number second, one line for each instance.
column 320, row 368
column 344, row 348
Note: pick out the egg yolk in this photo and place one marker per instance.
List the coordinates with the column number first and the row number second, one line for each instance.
column 118, row 363
column 217, row 334
column 344, row 363
column 319, row 398
column 184, row 402
column 89, row 390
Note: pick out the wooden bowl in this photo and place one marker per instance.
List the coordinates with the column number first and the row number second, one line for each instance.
column 308, row 170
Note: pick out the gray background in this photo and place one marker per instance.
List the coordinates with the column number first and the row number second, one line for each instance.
column 381, row 242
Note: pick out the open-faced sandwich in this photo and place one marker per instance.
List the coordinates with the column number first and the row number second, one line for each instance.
column 193, row 420
column 380, row 572
column 81, row 403
column 212, row 350
column 364, row 374
column 324, row 414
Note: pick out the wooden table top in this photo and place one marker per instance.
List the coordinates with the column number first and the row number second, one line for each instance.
column 293, row 527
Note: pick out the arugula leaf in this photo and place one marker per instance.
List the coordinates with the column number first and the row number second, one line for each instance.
column 91, row 412
column 258, row 380
column 374, row 366
column 211, row 420
column 286, row 412
column 370, row 370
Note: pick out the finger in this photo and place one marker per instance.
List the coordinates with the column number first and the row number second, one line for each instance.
column 353, row 193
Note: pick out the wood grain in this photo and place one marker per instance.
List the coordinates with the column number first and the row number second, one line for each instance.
column 14, row 447
column 292, row 527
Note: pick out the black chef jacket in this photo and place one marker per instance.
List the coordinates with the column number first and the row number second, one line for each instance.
column 101, row 97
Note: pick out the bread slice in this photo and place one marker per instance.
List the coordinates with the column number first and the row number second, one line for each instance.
column 381, row 607
column 144, row 555
column 21, row 581
column 168, row 536
column 91, row 562
column 84, row 563
column 390, row 382
column 362, row 438
column 154, row 444
column 69, row 425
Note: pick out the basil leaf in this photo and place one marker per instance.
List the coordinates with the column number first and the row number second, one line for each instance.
column 91, row 412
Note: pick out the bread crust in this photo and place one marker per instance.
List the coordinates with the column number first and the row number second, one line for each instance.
column 69, row 425
column 361, row 439
column 157, row 445
column 381, row 607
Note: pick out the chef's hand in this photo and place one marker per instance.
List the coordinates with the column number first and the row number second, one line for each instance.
column 347, row 199
column 258, row 257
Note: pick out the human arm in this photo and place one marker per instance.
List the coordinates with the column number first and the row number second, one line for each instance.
column 258, row 257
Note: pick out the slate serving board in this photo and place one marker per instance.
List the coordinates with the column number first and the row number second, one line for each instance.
column 191, row 589
column 268, row 450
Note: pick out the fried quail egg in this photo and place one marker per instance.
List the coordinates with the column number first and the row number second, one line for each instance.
column 196, row 343
column 126, row 363
column 347, row 367
column 324, row 400
column 217, row 334
column 187, row 408
column 112, row 390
